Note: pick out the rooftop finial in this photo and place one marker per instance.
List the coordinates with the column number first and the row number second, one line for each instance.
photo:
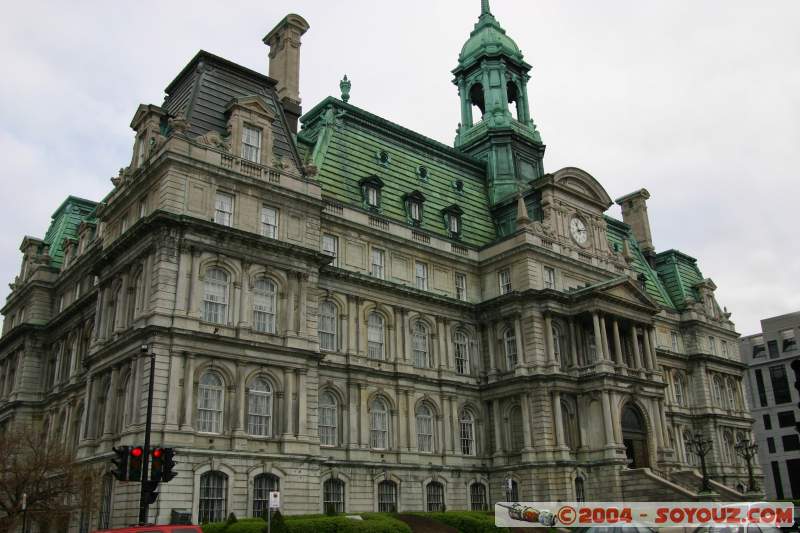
column 344, row 86
column 485, row 7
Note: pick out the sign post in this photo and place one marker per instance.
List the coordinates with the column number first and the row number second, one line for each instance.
column 274, row 503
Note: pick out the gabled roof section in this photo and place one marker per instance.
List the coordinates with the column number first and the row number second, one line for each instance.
column 618, row 233
column 205, row 88
column 64, row 225
column 621, row 287
column 347, row 144
column 679, row 274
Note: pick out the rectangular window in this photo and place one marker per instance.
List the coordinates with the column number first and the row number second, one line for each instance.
column 786, row 419
column 724, row 345
column 461, row 286
column 372, row 196
column 780, row 384
column 776, row 477
column 251, row 144
column 330, row 246
column 674, row 340
column 712, row 345
column 422, row 276
column 549, row 278
column 770, row 444
column 762, row 392
column 504, row 278
column 269, row 222
column 772, row 347
column 142, row 207
column 791, row 443
column 767, row 422
column 758, row 350
column 327, row 425
column 788, row 342
column 378, row 260
column 223, row 209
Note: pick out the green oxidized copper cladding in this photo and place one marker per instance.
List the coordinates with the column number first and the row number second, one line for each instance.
column 679, row 274
column 64, row 225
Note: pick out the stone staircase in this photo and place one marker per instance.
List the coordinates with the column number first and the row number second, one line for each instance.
column 692, row 480
column 643, row 485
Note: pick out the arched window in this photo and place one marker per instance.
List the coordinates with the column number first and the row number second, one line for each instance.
column 688, row 449
column 333, row 495
column 461, row 343
column 421, row 345
column 717, row 391
column 680, row 389
column 124, row 401
column 477, row 497
column 379, row 425
column 731, row 390
column 510, row 347
column 580, row 493
column 387, row 496
column 727, row 448
column 424, row 429
column 215, row 296
column 328, row 417
column 375, row 336
column 263, row 484
column 138, row 294
column 515, row 427
column 434, row 493
column 512, row 493
column 264, row 307
column 209, row 403
column 106, row 492
column 570, row 420
column 467, row 433
column 259, row 408
column 328, row 326
column 213, row 497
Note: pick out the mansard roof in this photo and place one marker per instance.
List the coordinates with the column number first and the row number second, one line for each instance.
column 345, row 143
column 209, row 84
column 64, row 225
column 680, row 275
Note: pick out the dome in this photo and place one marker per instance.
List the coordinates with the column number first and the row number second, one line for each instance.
column 488, row 38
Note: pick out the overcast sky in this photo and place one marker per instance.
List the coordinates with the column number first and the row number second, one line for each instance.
column 697, row 101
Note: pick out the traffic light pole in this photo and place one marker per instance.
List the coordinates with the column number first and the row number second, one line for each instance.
column 144, row 495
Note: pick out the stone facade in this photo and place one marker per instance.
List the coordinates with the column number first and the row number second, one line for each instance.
column 353, row 351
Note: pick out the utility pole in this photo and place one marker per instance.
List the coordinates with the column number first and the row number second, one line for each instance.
column 147, row 487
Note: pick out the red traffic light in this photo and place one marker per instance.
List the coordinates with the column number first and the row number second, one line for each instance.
column 137, row 452
column 157, row 453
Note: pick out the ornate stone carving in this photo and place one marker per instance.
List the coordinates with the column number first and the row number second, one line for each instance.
column 215, row 140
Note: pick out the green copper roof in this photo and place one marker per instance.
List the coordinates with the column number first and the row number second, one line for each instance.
column 64, row 225
column 679, row 273
column 347, row 145
column 488, row 38
column 618, row 232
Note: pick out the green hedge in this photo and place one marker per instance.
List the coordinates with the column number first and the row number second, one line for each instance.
column 465, row 521
column 372, row 523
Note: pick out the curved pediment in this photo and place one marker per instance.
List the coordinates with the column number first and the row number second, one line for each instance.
column 584, row 184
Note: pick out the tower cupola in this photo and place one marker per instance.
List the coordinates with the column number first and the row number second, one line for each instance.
column 496, row 124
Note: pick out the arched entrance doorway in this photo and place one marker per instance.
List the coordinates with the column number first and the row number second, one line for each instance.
column 634, row 436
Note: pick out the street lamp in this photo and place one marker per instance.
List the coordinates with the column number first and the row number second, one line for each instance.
column 747, row 450
column 702, row 447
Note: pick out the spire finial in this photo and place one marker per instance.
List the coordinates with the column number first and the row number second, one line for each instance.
column 485, row 7
column 344, row 86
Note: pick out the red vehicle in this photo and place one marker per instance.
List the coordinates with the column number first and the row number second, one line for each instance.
column 154, row 528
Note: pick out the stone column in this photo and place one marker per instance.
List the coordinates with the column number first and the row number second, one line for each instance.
column 491, row 343
column 573, row 342
column 402, row 404
column 657, row 427
column 412, row 426
column 406, row 335
column 111, row 407
column 598, row 337
column 498, row 441
column 288, row 396
column 648, row 353
column 521, row 359
column 454, row 429
column 637, row 356
column 653, row 344
column 188, row 392
column 607, row 423
column 244, row 297
column 87, row 405
column 241, row 394
column 604, row 338
column 289, row 307
column 398, row 335
column 182, row 286
column 301, row 326
column 195, row 288
column 525, row 402
column 615, row 418
column 548, row 336
column 363, row 415
column 352, row 419
column 302, row 405
column 559, row 419
column 617, row 343
column 439, row 342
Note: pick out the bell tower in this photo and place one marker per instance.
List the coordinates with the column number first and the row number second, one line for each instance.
column 496, row 125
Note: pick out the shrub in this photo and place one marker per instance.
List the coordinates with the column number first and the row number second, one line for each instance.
column 278, row 525
column 465, row 521
column 231, row 519
column 214, row 527
column 330, row 509
column 246, row 525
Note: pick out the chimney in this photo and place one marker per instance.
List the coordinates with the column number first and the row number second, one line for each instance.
column 634, row 213
column 284, row 64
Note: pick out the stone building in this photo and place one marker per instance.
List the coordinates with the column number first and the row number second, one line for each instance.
column 774, row 401
column 362, row 316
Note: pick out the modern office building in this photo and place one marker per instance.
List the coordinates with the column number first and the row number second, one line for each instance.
column 364, row 317
column 774, row 401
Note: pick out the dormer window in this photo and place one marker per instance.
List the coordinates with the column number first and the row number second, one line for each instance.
column 414, row 201
column 251, row 144
column 452, row 220
column 371, row 192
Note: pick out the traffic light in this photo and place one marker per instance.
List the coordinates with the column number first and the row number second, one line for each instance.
column 156, row 464
column 120, row 461
column 135, row 463
column 168, row 461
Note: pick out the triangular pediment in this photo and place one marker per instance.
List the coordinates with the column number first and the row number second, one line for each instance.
column 621, row 289
column 254, row 103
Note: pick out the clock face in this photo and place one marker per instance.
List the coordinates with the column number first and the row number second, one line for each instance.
column 578, row 231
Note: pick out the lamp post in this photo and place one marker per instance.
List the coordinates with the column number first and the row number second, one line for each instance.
column 747, row 450
column 702, row 447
